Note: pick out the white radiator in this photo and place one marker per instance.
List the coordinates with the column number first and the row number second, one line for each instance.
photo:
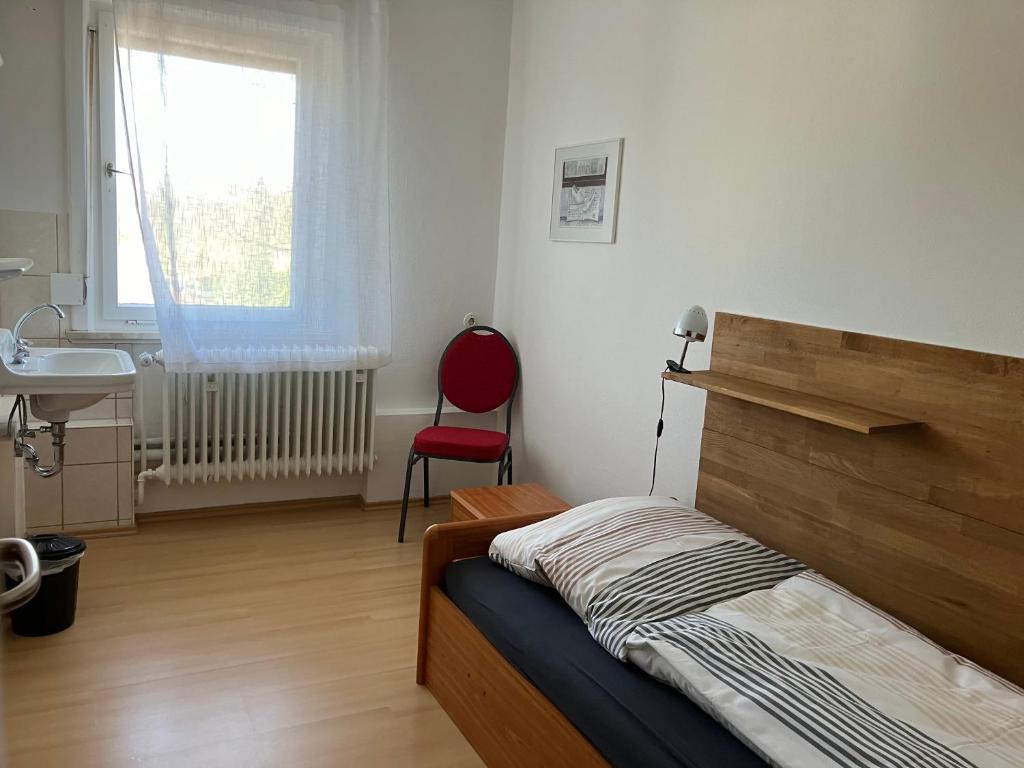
column 228, row 426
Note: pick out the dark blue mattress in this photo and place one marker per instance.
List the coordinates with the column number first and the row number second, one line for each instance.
column 631, row 718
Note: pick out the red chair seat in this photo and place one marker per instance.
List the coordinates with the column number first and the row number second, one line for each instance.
column 461, row 443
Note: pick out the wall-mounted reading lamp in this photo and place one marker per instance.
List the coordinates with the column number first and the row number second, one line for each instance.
column 692, row 325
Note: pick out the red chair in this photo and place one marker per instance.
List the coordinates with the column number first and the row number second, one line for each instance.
column 478, row 372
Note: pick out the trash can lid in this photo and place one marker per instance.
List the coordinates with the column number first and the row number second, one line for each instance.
column 52, row 546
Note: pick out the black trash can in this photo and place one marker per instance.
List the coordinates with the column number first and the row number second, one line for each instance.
column 52, row 610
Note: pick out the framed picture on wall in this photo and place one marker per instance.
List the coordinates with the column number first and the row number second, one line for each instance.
column 584, row 204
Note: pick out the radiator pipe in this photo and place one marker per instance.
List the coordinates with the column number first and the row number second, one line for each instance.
column 139, row 406
column 148, row 474
column 146, row 359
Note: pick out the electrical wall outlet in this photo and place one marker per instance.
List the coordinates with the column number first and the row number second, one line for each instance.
column 469, row 320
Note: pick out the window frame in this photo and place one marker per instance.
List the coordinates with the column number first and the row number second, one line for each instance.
column 101, row 311
column 107, row 309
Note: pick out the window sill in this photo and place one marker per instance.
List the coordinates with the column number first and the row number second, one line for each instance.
column 114, row 336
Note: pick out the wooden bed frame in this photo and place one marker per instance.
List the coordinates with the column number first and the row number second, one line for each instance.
column 925, row 521
column 508, row 721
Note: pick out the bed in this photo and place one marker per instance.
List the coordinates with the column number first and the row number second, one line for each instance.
column 926, row 522
column 629, row 717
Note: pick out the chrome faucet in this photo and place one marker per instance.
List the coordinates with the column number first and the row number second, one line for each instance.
column 21, row 351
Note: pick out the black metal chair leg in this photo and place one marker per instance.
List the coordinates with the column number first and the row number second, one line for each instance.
column 501, row 470
column 426, row 482
column 508, row 467
column 405, row 496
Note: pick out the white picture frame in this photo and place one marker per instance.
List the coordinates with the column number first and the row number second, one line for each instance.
column 585, row 197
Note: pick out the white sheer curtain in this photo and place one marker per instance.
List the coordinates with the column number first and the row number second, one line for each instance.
column 257, row 132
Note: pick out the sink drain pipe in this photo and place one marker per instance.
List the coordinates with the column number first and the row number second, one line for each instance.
column 31, row 456
column 27, row 451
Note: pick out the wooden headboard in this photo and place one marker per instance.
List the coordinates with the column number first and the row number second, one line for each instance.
column 925, row 521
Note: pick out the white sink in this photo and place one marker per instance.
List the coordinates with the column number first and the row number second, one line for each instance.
column 11, row 268
column 58, row 381
column 79, row 362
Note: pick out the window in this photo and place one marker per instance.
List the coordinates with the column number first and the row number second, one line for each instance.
column 227, row 251
column 258, row 151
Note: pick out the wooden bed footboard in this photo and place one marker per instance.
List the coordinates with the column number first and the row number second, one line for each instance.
column 445, row 542
column 502, row 715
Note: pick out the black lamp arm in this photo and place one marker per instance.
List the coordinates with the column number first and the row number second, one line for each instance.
column 675, row 367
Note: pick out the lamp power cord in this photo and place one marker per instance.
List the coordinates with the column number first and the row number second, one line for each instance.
column 661, row 428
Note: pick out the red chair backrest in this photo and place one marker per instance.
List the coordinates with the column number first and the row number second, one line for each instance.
column 479, row 370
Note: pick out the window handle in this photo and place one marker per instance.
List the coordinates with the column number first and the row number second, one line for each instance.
column 110, row 170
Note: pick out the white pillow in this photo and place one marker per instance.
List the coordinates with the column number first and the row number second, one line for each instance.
column 519, row 549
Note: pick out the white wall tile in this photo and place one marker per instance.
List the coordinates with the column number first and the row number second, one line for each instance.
column 93, row 445
column 124, row 444
column 104, row 409
column 19, row 296
column 43, row 529
column 43, row 499
column 63, row 238
column 90, row 494
column 125, row 493
column 47, row 343
column 90, row 526
column 65, row 342
column 30, row 236
column 123, row 408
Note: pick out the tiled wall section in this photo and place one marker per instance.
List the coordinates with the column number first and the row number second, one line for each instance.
column 95, row 488
column 42, row 238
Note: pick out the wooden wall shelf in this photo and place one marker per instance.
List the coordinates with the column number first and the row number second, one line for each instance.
column 838, row 414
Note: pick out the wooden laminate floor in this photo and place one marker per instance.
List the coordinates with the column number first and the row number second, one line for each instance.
column 282, row 639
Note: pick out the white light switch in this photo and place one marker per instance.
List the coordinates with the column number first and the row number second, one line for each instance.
column 67, row 290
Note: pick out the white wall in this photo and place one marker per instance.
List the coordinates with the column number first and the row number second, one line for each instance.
column 855, row 165
column 32, row 106
column 448, row 85
column 448, row 94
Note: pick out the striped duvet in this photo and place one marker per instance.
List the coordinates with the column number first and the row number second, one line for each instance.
column 798, row 668
column 808, row 675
